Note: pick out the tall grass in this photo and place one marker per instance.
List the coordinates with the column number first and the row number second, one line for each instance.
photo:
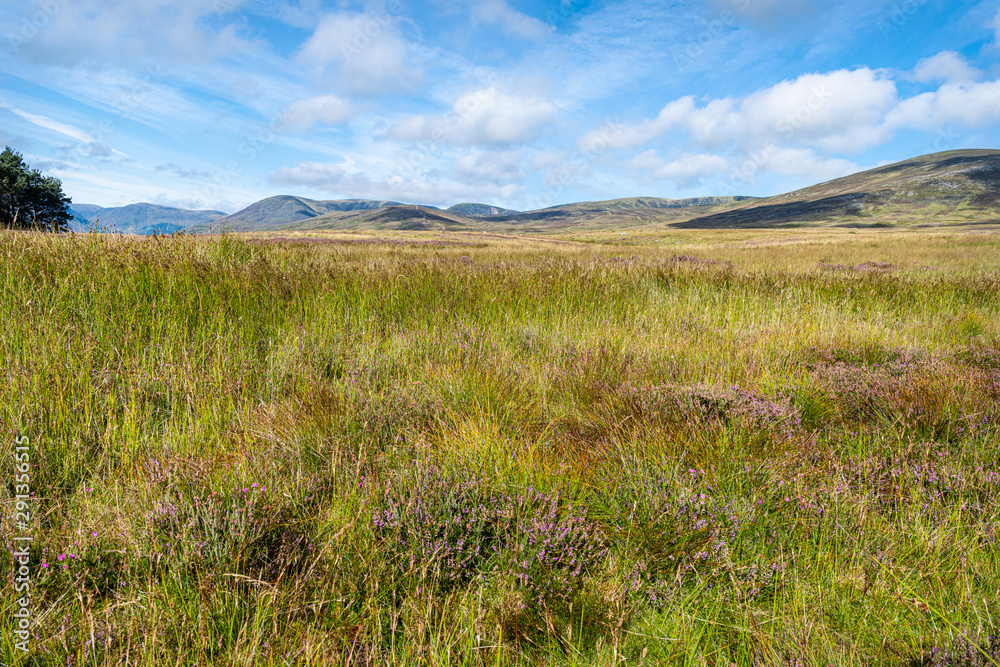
column 495, row 451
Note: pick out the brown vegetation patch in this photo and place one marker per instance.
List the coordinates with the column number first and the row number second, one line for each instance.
column 362, row 242
column 863, row 267
column 694, row 259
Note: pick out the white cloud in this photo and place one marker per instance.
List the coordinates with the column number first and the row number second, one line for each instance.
column 831, row 110
column 498, row 12
column 683, row 171
column 544, row 159
column 309, row 174
column 304, row 115
column 838, row 110
column 972, row 104
column 498, row 168
column 480, row 117
column 85, row 145
column 804, row 162
column 47, row 123
column 367, row 52
column 631, row 136
column 947, row 66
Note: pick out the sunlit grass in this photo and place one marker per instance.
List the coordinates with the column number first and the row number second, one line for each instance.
column 700, row 448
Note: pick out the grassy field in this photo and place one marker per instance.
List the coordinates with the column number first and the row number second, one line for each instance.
column 671, row 447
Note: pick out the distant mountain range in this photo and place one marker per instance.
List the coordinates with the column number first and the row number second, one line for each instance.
column 142, row 219
column 955, row 187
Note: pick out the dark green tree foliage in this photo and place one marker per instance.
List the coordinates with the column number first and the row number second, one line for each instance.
column 29, row 200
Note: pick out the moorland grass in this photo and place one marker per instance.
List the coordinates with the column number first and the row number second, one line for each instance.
column 742, row 448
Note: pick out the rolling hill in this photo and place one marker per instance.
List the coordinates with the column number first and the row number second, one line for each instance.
column 275, row 212
column 951, row 188
column 295, row 213
column 143, row 219
column 954, row 187
column 397, row 217
column 484, row 210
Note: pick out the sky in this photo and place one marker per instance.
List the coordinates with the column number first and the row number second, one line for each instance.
column 215, row 104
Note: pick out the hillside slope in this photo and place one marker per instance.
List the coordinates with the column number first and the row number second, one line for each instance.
column 954, row 187
column 480, row 209
column 276, row 212
column 397, row 217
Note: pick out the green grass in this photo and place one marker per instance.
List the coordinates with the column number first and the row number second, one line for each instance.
column 503, row 450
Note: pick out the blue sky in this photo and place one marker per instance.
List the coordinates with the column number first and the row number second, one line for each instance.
column 219, row 103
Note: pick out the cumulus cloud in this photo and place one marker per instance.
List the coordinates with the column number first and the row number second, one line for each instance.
column 838, row 110
column 633, row 135
column 366, row 52
column 684, row 171
column 309, row 174
column 544, row 159
column 498, row 168
column 805, row 162
column 947, row 66
column 499, row 13
column 829, row 110
column 304, row 115
column 480, row 117
column 971, row 104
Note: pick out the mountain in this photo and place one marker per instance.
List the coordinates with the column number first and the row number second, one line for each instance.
column 80, row 222
column 281, row 210
column 609, row 214
column 953, row 187
column 479, row 210
column 394, row 217
column 143, row 219
column 287, row 213
column 85, row 211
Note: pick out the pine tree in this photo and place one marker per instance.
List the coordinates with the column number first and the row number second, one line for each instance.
column 29, row 200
